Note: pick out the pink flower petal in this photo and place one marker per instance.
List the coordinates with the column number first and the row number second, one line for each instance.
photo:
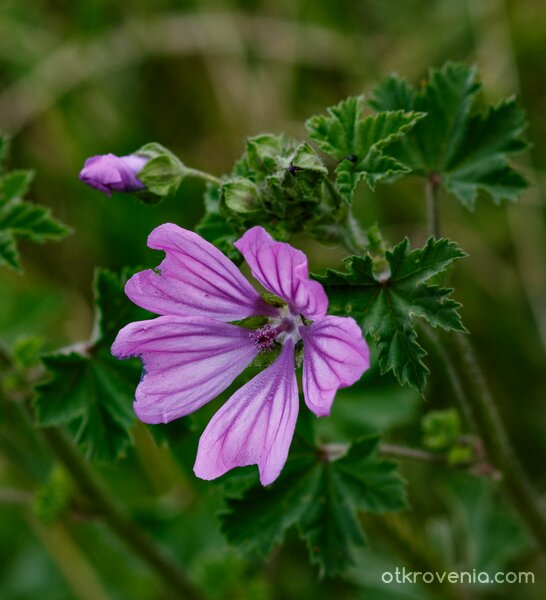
column 195, row 278
column 187, row 362
column 255, row 426
column 335, row 355
column 283, row 270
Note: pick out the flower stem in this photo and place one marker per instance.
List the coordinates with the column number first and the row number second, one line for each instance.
column 348, row 232
column 396, row 451
column 115, row 516
column 202, row 175
column 432, row 184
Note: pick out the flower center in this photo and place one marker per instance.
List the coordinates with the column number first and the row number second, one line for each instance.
column 278, row 330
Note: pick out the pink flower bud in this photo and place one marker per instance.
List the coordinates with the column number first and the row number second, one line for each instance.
column 110, row 173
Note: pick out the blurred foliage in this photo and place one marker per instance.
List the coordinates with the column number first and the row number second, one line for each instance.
column 93, row 76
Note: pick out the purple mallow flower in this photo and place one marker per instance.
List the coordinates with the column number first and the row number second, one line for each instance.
column 110, row 173
column 192, row 352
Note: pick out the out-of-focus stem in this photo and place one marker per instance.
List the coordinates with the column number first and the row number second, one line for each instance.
column 114, row 515
column 433, row 210
column 486, row 417
column 497, row 443
column 71, row 562
column 452, row 374
column 410, row 545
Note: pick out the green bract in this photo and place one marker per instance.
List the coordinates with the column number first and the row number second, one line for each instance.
column 280, row 184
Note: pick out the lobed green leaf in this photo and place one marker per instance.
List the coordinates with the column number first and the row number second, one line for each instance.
column 467, row 151
column 357, row 143
column 386, row 302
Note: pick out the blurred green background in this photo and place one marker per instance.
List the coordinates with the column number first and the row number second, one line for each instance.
column 86, row 77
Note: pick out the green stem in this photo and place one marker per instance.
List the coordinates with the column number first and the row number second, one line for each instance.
column 70, row 560
column 202, row 175
column 115, row 517
column 452, row 374
column 348, row 232
column 15, row 496
column 432, row 186
column 405, row 452
column 102, row 501
column 497, row 444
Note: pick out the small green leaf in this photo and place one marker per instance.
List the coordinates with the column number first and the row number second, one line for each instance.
column 468, row 151
column 386, row 302
column 358, row 143
column 9, row 255
column 14, row 184
column 322, row 498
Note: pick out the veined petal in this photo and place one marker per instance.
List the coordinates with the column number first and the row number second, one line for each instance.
column 283, row 270
column 187, row 362
column 335, row 355
column 255, row 426
column 195, row 278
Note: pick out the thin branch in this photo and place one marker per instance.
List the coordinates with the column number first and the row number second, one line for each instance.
column 411, row 453
column 497, row 444
column 14, row 496
column 432, row 184
column 484, row 415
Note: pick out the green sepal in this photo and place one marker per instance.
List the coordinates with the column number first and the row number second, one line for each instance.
column 279, row 184
column 162, row 174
